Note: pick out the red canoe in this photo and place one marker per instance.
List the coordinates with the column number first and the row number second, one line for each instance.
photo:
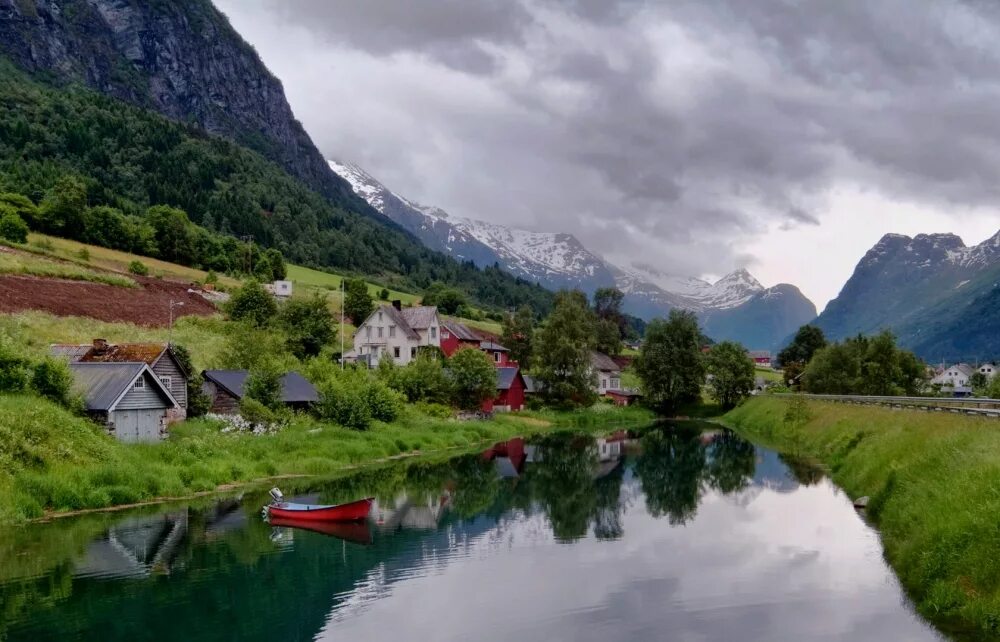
column 352, row 512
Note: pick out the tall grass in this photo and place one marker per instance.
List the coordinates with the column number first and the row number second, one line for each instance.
column 32, row 265
column 51, row 460
column 934, row 484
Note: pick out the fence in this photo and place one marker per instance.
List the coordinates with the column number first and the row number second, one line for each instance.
column 968, row 406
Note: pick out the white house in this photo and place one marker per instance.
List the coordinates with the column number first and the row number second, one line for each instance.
column 955, row 376
column 609, row 375
column 280, row 289
column 988, row 369
column 397, row 333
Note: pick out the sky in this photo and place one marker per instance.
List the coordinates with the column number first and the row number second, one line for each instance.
column 695, row 136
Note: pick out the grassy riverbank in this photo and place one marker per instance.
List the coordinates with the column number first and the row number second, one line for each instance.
column 934, row 483
column 51, row 460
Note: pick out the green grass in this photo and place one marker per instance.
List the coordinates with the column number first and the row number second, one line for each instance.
column 15, row 262
column 204, row 337
column 51, row 460
column 769, row 374
column 934, row 484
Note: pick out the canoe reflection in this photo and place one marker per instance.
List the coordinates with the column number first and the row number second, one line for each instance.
column 356, row 532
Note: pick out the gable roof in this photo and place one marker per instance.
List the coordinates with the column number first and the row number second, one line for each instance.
column 148, row 353
column 507, row 376
column 294, row 387
column 531, row 384
column 461, row 331
column 396, row 317
column 603, row 362
column 104, row 384
column 492, row 345
column 419, row 317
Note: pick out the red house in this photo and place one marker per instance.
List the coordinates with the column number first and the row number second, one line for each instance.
column 497, row 352
column 510, row 390
column 455, row 335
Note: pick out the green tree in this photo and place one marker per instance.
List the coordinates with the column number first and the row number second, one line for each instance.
column 308, row 325
column 732, row 372
column 808, row 339
column 199, row 403
column 20, row 205
column 423, row 379
column 12, row 227
column 264, row 384
column 64, row 207
column 670, row 364
column 866, row 366
column 562, row 356
column 52, row 379
column 607, row 337
column 358, row 304
column 275, row 264
column 252, row 304
column 447, row 299
column 473, row 378
column 174, row 234
column 518, row 335
column 979, row 382
column 383, row 294
column 994, row 388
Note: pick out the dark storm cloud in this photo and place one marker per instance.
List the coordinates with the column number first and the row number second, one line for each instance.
column 681, row 120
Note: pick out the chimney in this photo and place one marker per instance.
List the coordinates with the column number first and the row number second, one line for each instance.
column 100, row 345
column 397, row 304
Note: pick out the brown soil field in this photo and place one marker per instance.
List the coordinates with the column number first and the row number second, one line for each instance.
column 147, row 305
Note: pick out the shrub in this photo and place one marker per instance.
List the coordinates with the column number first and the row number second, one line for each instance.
column 211, row 277
column 383, row 294
column 343, row 402
column 83, row 254
column 436, row 410
column 138, row 267
column 14, row 368
column 52, row 379
column 253, row 304
column 423, row 379
column 384, row 404
column 264, row 385
column 258, row 417
column 13, row 228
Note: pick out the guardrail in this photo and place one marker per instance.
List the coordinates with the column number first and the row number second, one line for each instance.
column 966, row 405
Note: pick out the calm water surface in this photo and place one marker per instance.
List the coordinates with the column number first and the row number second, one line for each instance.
column 676, row 535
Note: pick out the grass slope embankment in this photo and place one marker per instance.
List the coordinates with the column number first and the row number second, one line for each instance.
column 934, row 484
column 53, row 461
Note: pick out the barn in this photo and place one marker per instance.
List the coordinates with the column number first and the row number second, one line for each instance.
column 510, row 390
column 226, row 388
column 128, row 398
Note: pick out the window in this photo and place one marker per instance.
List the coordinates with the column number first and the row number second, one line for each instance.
column 615, row 384
column 380, row 316
column 395, row 352
column 392, row 332
column 413, row 352
column 380, row 332
column 434, row 332
column 166, row 381
column 497, row 356
column 140, row 383
column 445, row 334
column 604, row 383
column 368, row 331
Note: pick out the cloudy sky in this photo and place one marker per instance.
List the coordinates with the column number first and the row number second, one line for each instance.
column 696, row 136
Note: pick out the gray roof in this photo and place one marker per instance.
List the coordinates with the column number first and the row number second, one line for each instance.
column 103, row 384
column 760, row 354
column 531, row 384
column 419, row 317
column 294, row 387
column 461, row 331
column 603, row 362
column 69, row 351
column 505, row 377
column 492, row 345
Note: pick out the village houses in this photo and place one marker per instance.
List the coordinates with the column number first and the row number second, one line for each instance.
column 396, row 333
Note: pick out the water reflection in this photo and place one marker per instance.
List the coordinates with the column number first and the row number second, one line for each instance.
column 676, row 533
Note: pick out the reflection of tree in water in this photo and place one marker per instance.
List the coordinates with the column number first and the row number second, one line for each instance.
column 477, row 486
column 731, row 463
column 670, row 468
column 563, row 483
column 802, row 470
column 608, row 509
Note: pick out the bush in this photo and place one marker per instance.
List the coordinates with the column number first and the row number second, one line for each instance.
column 13, row 228
column 83, row 254
column 264, row 385
column 344, row 402
column 253, row 304
column 384, row 404
column 435, row 410
column 308, row 326
column 423, row 379
column 139, row 268
column 14, row 368
column 52, row 379
column 257, row 415
column 473, row 378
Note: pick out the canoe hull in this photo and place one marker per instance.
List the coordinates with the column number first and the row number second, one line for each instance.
column 351, row 512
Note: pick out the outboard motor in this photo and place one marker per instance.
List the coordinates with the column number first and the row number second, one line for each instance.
column 276, row 495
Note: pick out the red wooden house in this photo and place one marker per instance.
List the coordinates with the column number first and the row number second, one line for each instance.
column 510, row 391
column 455, row 335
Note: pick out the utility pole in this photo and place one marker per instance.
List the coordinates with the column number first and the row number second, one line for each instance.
column 343, row 300
column 170, row 328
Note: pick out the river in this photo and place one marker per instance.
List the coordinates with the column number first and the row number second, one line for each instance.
column 678, row 534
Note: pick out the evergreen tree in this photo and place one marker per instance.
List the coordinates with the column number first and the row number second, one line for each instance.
column 358, row 302
column 732, row 372
column 670, row 363
column 519, row 334
column 563, row 352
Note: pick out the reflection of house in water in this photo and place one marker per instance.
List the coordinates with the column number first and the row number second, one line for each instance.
column 136, row 547
column 405, row 512
column 509, row 457
column 610, row 451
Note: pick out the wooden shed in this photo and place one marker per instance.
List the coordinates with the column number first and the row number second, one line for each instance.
column 226, row 389
column 128, row 398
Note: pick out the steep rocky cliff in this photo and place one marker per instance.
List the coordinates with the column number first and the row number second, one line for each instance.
column 181, row 58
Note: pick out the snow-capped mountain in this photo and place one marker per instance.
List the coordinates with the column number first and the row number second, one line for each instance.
column 937, row 294
column 558, row 260
column 555, row 260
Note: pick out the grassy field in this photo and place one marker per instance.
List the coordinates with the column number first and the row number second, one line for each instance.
column 769, row 374
column 51, row 460
column 28, row 264
column 934, row 484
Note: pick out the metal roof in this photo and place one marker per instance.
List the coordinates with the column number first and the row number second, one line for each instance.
column 419, row 317
column 70, row 351
column 294, row 387
column 492, row 345
column 104, row 384
column 506, row 377
column 531, row 384
column 603, row 362
column 461, row 331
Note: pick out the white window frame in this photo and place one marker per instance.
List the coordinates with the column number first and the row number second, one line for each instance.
column 167, row 382
column 392, row 331
column 380, row 332
column 395, row 352
column 140, row 383
column 434, row 332
column 497, row 356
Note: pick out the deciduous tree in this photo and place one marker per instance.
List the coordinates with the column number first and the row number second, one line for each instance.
column 358, row 303
column 473, row 378
column 732, row 372
column 519, row 334
column 670, row 363
column 308, row 325
column 563, row 352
